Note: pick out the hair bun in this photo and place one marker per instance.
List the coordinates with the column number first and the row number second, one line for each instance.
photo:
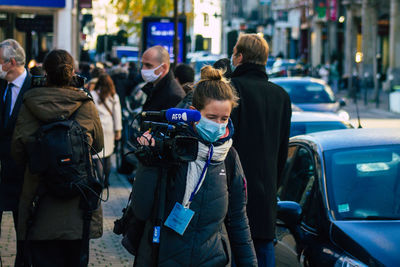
column 209, row 73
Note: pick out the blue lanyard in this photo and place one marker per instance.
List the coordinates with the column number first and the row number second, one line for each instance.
column 209, row 156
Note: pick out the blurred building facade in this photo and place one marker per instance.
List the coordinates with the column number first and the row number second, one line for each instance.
column 206, row 30
column 361, row 34
column 42, row 25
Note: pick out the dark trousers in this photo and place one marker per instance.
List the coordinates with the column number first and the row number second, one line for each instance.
column 103, row 169
column 52, row 253
column 19, row 258
column 265, row 252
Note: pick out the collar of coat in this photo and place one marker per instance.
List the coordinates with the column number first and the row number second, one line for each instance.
column 249, row 67
column 149, row 88
column 52, row 103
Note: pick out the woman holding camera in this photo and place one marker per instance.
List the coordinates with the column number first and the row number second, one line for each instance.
column 205, row 208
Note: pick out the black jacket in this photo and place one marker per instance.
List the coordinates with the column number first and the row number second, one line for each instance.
column 207, row 240
column 166, row 94
column 12, row 175
column 262, row 125
column 120, row 79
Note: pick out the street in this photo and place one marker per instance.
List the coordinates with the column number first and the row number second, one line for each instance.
column 370, row 115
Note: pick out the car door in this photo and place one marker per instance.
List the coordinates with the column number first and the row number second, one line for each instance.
column 297, row 185
column 308, row 243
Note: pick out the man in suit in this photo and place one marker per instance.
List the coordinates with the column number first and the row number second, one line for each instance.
column 15, row 80
column 262, row 125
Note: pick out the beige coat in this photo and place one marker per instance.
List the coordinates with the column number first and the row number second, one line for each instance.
column 110, row 122
column 56, row 218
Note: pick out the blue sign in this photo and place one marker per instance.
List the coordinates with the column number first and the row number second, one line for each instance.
column 33, row 3
column 161, row 32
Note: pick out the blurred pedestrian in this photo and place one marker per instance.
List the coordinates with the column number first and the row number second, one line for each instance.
column 334, row 76
column 119, row 75
column 84, row 70
column 15, row 80
column 109, row 108
column 214, row 205
column 184, row 73
column 134, row 78
column 262, row 125
column 224, row 64
column 94, row 74
column 56, row 236
column 162, row 89
column 323, row 72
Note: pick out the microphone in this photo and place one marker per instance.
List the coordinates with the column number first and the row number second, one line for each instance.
column 174, row 115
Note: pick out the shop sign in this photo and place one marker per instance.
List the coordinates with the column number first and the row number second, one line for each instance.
column 160, row 31
column 320, row 9
column 332, row 11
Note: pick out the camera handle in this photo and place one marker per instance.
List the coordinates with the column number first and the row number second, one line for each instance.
column 160, row 208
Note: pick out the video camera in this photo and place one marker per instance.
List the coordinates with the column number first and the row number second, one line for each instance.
column 41, row 81
column 168, row 128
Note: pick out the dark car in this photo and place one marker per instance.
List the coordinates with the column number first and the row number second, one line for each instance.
column 311, row 94
column 339, row 200
column 304, row 122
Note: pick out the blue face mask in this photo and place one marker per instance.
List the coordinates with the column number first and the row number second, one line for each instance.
column 209, row 130
column 233, row 67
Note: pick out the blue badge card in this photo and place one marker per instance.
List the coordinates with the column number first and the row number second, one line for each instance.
column 179, row 218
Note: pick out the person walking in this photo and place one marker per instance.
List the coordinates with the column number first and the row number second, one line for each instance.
column 109, row 108
column 162, row 89
column 201, row 189
column 56, row 237
column 119, row 75
column 15, row 80
column 184, row 73
column 334, row 76
column 262, row 125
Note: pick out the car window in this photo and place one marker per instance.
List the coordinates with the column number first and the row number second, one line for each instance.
column 312, row 208
column 364, row 183
column 307, row 92
column 299, row 177
column 297, row 128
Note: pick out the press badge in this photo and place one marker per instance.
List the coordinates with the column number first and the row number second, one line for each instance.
column 179, row 218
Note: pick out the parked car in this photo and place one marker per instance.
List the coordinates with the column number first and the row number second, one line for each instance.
column 285, row 68
column 311, row 94
column 339, row 200
column 305, row 122
column 197, row 62
column 270, row 62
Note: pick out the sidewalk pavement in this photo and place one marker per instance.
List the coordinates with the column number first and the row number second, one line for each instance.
column 369, row 111
column 104, row 252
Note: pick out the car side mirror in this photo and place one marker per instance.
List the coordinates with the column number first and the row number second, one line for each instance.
column 342, row 103
column 289, row 212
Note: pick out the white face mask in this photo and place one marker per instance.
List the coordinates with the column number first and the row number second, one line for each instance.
column 3, row 73
column 149, row 75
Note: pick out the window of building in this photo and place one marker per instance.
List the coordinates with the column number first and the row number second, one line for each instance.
column 206, row 19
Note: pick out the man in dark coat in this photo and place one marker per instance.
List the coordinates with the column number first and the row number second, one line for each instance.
column 15, row 81
column 262, row 125
column 162, row 89
column 119, row 75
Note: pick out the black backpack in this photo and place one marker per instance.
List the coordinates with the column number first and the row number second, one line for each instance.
column 61, row 155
